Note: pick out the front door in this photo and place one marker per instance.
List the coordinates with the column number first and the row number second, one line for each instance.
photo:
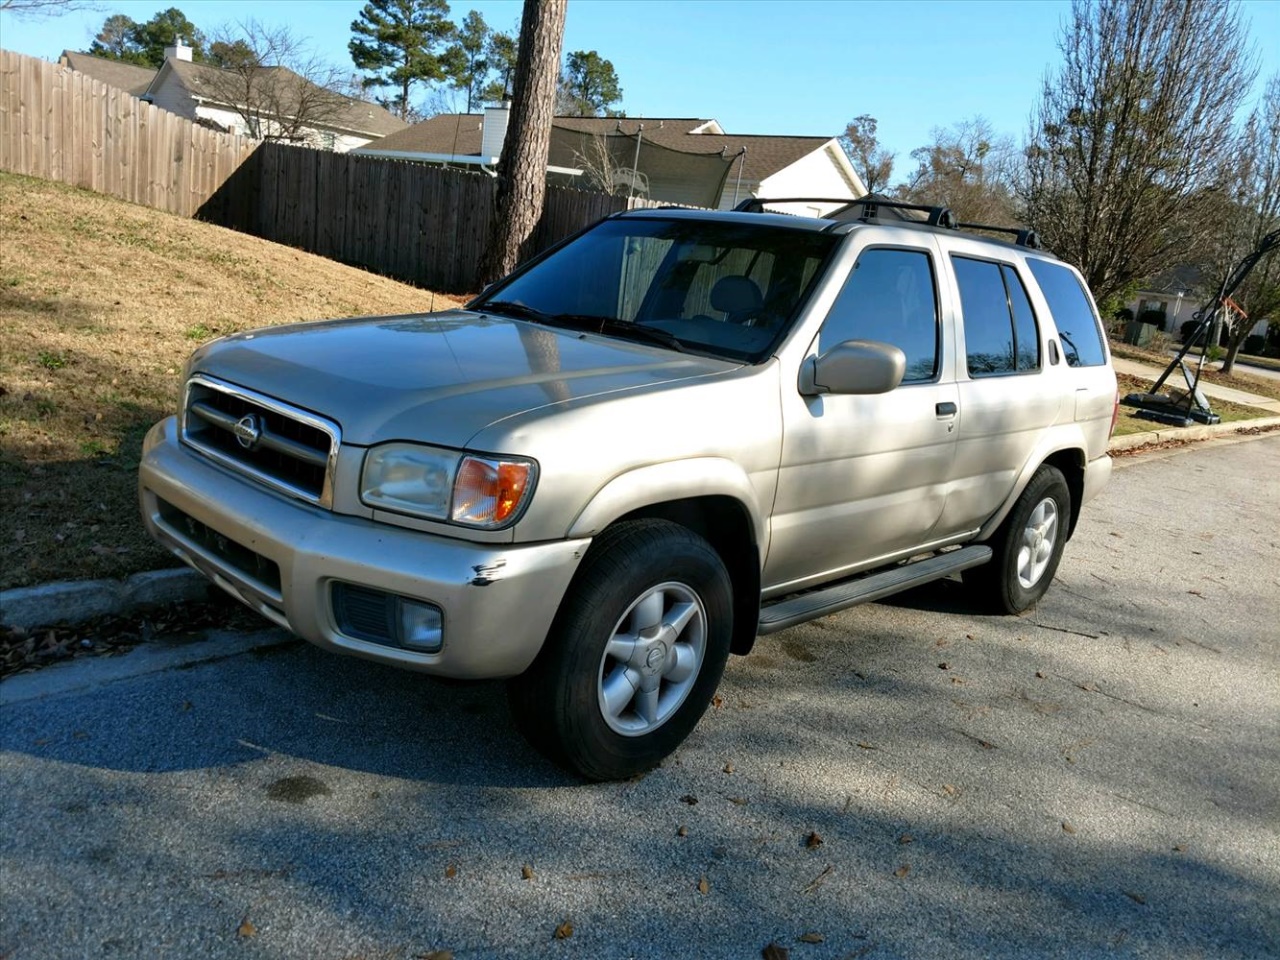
column 864, row 477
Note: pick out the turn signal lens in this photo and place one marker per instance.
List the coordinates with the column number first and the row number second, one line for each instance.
column 489, row 492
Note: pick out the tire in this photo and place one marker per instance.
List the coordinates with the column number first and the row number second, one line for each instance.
column 1027, row 547
column 602, row 699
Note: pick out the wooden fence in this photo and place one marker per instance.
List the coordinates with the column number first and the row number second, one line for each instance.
column 426, row 225
column 59, row 124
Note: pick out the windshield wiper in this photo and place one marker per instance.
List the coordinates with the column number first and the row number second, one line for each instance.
column 510, row 308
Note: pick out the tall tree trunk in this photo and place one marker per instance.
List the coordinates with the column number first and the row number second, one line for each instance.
column 522, row 168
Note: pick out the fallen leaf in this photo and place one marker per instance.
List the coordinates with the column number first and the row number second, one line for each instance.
column 246, row 929
column 564, row 931
column 863, row 745
column 689, row 798
column 717, row 701
column 450, row 872
column 526, row 872
column 1040, row 675
column 968, row 636
column 1135, row 897
column 435, row 955
column 1067, row 827
column 728, row 768
column 811, row 937
column 906, row 838
column 1180, row 848
column 738, row 801
column 944, row 665
column 775, row 952
column 703, row 886
column 813, row 840
column 902, row 871
column 950, row 790
column 682, row 831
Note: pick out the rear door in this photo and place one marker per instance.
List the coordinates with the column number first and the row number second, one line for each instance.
column 1007, row 399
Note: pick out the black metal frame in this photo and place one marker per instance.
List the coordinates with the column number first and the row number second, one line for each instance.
column 1154, row 406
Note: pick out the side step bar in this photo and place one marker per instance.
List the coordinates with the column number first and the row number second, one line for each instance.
column 850, row 593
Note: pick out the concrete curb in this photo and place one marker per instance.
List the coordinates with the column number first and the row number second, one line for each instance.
column 74, row 601
column 1201, row 432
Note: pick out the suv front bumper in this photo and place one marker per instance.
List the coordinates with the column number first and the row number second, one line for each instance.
column 281, row 557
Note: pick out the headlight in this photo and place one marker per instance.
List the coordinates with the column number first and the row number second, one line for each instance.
column 479, row 491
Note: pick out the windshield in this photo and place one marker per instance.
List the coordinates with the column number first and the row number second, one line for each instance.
column 725, row 289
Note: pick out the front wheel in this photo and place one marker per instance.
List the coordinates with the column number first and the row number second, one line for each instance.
column 635, row 653
column 1028, row 545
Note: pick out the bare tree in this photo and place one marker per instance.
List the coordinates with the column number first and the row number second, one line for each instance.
column 597, row 164
column 270, row 78
column 1131, row 132
column 968, row 168
column 1249, row 210
column 33, row 9
column 871, row 162
column 522, row 168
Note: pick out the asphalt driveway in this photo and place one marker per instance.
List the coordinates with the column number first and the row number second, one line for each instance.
column 908, row 779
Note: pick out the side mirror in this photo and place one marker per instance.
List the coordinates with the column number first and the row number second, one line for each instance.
column 854, row 367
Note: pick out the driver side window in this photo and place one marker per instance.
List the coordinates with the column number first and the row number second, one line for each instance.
column 889, row 297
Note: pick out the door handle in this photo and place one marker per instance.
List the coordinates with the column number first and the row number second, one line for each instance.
column 947, row 409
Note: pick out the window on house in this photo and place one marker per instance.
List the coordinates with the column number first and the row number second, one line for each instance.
column 889, row 297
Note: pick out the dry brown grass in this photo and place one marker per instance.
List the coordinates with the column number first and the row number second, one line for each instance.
column 100, row 303
column 1240, row 379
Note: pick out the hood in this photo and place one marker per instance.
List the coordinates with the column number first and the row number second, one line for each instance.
column 436, row 378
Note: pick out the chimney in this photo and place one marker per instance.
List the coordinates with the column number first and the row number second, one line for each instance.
column 179, row 51
column 494, row 129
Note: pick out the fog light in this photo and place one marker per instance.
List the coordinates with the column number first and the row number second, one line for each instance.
column 421, row 626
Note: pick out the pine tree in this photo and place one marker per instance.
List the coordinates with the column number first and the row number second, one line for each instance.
column 396, row 42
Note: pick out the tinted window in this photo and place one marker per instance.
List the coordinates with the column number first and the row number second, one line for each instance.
column 729, row 289
column 1072, row 314
column 1026, row 336
column 988, row 328
column 889, row 297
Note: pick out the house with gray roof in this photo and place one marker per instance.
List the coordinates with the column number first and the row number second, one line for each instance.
column 282, row 105
column 128, row 77
column 684, row 160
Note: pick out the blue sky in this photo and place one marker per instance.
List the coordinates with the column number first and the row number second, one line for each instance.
column 800, row 67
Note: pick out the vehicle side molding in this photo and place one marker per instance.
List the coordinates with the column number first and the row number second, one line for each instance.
column 854, row 367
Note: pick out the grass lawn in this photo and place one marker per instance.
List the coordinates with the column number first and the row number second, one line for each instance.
column 1241, row 379
column 1128, row 421
column 101, row 301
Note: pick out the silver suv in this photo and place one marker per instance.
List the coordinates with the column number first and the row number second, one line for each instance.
column 670, row 434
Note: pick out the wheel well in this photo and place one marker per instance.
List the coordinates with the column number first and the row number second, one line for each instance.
column 1071, row 464
column 724, row 523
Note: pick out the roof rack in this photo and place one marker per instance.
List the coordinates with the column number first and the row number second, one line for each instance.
column 1023, row 238
column 936, row 216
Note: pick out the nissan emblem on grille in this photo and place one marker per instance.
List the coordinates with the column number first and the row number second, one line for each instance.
column 247, row 431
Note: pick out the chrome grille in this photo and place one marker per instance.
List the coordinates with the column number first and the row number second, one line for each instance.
column 288, row 449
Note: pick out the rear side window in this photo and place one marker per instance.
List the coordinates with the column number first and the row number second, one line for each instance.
column 1077, row 326
column 1000, row 332
column 889, row 297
